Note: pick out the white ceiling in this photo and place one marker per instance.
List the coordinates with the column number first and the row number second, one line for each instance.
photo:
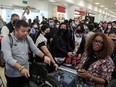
column 85, row 4
column 106, row 3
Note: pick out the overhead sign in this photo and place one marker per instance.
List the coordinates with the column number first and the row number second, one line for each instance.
column 81, row 13
column 24, row 1
column 61, row 9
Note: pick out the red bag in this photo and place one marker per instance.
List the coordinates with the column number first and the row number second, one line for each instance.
column 72, row 60
column 1, row 38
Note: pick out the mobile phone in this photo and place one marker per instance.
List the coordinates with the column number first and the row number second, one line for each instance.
column 80, row 70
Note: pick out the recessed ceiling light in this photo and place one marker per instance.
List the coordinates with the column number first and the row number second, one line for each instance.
column 52, row 0
column 97, row 3
column 101, row 6
column 106, row 8
column 115, row 3
column 111, row 11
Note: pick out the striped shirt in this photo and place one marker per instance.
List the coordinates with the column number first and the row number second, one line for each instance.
column 41, row 39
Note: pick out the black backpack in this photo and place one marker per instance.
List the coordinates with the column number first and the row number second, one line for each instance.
column 2, row 62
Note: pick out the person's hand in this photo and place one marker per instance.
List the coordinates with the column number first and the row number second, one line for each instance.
column 83, row 73
column 47, row 60
column 25, row 72
column 70, row 54
column 73, row 53
column 56, row 66
column 79, row 56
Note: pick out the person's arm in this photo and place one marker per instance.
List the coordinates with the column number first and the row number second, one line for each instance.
column 97, row 80
column 6, row 48
column 22, row 70
column 37, row 51
column 86, row 75
column 45, row 50
column 46, row 58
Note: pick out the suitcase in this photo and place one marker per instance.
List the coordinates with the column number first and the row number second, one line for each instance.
column 66, row 76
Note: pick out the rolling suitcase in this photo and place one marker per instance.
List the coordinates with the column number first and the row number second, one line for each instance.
column 66, row 76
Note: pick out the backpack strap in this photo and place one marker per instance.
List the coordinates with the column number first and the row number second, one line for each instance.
column 11, row 40
column 28, row 41
column 36, row 36
column 28, row 44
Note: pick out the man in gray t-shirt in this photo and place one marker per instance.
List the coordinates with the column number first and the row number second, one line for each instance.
column 16, row 57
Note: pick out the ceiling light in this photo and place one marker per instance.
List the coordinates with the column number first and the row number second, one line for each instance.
column 106, row 8
column 97, row 3
column 115, row 3
column 101, row 6
column 52, row 0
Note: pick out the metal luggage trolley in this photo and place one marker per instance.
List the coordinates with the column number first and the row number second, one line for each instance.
column 39, row 77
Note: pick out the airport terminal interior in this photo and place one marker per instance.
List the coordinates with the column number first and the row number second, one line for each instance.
column 75, row 38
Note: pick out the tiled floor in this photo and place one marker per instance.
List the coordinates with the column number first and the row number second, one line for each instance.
column 2, row 75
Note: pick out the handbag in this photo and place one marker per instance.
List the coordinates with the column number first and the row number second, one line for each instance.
column 72, row 60
column 2, row 63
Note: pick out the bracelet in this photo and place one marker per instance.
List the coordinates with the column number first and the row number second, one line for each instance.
column 43, row 56
column 21, row 68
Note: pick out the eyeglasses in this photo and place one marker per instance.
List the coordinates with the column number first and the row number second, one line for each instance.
column 97, row 42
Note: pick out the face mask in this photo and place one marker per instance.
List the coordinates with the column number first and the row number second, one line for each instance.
column 57, row 25
column 62, row 30
column 35, row 26
column 99, row 25
column 87, row 22
column 109, row 27
column 86, row 29
column 47, row 35
column 51, row 24
column 74, row 25
column 78, row 31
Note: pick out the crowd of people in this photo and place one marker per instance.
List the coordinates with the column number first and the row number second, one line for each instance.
column 53, row 41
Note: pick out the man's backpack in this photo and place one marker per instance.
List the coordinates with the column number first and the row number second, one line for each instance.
column 2, row 62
